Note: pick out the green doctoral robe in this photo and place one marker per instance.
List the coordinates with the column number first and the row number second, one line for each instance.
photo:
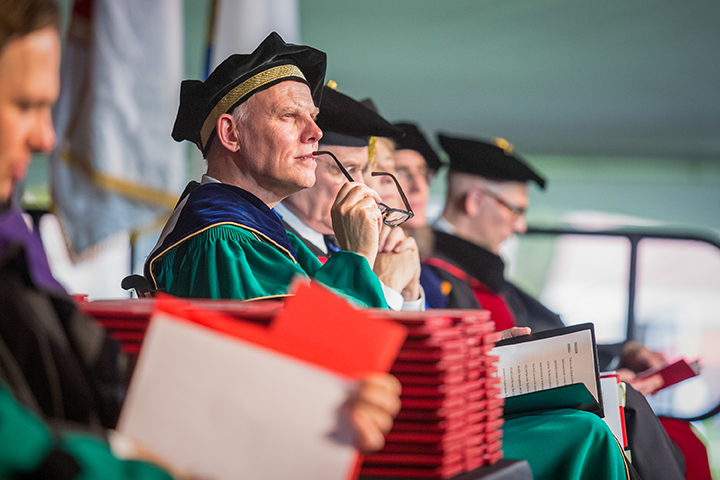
column 223, row 242
column 26, row 442
column 565, row 445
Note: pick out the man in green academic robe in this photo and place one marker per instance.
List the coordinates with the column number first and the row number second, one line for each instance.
column 254, row 120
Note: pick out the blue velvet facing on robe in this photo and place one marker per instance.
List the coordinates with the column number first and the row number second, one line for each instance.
column 223, row 242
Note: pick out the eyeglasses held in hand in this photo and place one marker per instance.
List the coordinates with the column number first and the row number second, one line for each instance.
column 392, row 217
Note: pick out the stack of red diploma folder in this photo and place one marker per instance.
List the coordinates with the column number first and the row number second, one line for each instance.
column 451, row 417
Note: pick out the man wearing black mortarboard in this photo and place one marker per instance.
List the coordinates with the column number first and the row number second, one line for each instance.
column 253, row 119
column 487, row 196
column 350, row 132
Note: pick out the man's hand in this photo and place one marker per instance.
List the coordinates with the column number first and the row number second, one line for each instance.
column 514, row 332
column 645, row 386
column 397, row 263
column 372, row 409
column 356, row 220
column 637, row 358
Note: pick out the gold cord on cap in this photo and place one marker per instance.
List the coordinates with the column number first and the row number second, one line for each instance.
column 242, row 90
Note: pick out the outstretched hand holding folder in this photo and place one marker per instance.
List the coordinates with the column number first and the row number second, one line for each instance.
column 220, row 398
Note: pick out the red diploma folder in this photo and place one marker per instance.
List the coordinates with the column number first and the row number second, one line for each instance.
column 673, row 373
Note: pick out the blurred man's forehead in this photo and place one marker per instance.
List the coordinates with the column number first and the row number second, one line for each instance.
column 29, row 67
column 409, row 158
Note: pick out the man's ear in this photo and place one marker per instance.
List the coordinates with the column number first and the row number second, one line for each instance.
column 226, row 132
column 471, row 202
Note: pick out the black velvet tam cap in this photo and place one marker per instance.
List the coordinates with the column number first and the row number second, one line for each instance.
column 349, row 123
column 494, row 161
column 415, row 140
column 239, row 77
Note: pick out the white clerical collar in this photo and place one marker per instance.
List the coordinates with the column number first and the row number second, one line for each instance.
column 443, row 225
column 208, row 179
column 312, row 236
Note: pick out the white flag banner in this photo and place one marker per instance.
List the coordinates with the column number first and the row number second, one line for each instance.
column 240, row 25
column 116, row 167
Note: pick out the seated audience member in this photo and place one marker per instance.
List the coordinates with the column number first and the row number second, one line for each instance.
column 57, row 362
column 254, row 120
column 349, row 131
column 416, row 163
column 486, row 203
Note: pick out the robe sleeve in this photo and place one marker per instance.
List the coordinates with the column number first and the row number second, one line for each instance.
column 232, row 263
column 345, row 272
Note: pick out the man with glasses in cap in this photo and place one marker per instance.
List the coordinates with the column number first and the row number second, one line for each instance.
column 486, row 202
column 350, row 140
column 254, row 120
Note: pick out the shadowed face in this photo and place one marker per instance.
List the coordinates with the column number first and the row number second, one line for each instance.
column 493, row 220
column 313, row 205
column 412, row 173
column 29, row 85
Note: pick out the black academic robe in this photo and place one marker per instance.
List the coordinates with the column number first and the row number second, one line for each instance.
column 489, row 269
column 655, row 456
column 58, row 362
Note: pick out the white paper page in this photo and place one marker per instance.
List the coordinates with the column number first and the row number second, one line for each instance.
column 221, row 408
column 547, row 363
column 612, row 393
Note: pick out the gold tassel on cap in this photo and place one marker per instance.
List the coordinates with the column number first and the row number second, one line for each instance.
column 372, row 153
column 331, row 84
column 505, row 145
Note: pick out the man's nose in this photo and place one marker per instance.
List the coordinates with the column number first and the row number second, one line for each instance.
column 311, row 133
column 42, row 138
column 520, row 224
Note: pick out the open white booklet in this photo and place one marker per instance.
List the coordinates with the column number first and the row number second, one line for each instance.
column 552, row 369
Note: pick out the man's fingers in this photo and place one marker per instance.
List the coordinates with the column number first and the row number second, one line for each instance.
column 353, row 192
column 514, row 332
column 394, row 240
column 372, row 409
column 408, row 243
column 649, row 385
column 383, row 380
column 382, row 393
column 384, row 233
column 368, row 436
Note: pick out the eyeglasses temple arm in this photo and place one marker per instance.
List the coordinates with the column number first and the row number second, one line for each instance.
column 397, row 184
column 340, row 165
